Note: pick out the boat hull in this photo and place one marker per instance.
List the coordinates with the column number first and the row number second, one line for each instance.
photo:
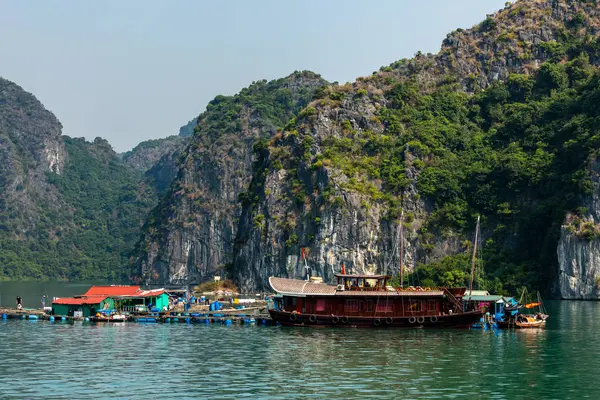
column 522, row 325
column 460, row 320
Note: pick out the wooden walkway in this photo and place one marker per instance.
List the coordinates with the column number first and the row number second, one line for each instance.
column 246, row 316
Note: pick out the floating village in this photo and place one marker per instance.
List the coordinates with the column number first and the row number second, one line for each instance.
column 355, row 301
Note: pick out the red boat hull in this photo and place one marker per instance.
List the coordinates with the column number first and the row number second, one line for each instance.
column 459, row 320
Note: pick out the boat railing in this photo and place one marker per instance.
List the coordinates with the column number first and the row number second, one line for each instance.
column 453, row 299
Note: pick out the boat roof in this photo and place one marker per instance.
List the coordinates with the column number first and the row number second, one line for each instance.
column 363, row 276
column 496, row 298
column 299, row 288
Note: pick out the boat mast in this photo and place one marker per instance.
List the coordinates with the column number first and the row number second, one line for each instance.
column 474, row 255
column 401, row 249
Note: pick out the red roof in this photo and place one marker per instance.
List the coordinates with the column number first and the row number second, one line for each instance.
column 77, row 301
column 112, row 290
column 150, row 293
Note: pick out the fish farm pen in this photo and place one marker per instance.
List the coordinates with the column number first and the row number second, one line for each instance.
column 224, row 318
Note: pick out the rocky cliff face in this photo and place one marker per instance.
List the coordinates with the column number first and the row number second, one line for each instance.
column 69, row 209
column 189, row 236
column 516, row 39
column 579, row 247
column 327, row 182
column 30, row 147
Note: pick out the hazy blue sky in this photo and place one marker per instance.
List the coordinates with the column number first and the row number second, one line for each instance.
column 130, row 70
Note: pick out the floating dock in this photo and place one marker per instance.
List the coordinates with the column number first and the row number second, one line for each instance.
column 225, row 317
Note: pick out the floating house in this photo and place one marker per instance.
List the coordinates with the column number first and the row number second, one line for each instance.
column 492, row 303
column 122, row 298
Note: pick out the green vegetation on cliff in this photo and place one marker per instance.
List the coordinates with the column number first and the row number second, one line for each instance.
column 90, row 235
column 516, row 153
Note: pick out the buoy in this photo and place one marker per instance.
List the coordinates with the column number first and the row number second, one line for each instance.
column 227, row 322
column 175, row 319
column 33, row 317
column 168, row 320
column 4, row 316
column 63, row 318
column 51, row 318
column 86, row 319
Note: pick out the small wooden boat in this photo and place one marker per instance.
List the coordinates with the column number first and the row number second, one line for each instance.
column 526, row 321
column 102, row 317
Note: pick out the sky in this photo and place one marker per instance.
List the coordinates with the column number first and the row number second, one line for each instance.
column 134, row 70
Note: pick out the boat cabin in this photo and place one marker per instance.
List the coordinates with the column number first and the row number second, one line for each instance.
column 361, row 295
column 362, row 282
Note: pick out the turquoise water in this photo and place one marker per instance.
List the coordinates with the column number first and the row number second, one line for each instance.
column 139, row 361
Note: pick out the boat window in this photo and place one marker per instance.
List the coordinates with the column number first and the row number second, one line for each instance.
column 432, row 305
column 320, row 305
column 351, row 306
column 413, row 306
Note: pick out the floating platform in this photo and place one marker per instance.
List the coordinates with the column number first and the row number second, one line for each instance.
column 224, row 317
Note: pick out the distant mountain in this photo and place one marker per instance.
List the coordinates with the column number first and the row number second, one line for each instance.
column 147, row 153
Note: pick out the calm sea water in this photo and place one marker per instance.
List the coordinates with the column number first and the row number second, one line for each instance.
column 32, row 292
column 140, row 361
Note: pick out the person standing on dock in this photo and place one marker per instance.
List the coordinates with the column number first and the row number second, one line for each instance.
column 43, row 302
column 19, row 303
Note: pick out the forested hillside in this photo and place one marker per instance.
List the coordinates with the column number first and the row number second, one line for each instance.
column 501, row 123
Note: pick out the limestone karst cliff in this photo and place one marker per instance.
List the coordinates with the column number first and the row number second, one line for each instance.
column 472, row 130
column 189, row 235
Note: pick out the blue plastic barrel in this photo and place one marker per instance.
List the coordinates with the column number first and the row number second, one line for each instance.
column 227, row 322
column 63, row 318
column 4, row 316
column 51, row 318
column 33, row 317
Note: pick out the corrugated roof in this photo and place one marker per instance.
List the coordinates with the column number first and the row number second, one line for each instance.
column 295, row 287
column 492, row 297
column 114, row 290
column 298, row 287
column 77, row 301
column 148, row 293
column 362, row 276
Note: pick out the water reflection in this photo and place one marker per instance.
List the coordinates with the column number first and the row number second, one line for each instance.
column 135, row 361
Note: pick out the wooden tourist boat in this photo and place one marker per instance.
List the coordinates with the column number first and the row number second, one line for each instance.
column 366, row 301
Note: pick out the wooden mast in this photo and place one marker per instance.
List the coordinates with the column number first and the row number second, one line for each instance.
column 401, row 249
column 474, row 255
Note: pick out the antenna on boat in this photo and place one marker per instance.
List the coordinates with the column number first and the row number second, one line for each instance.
column 401, row 249
column 474, row 255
